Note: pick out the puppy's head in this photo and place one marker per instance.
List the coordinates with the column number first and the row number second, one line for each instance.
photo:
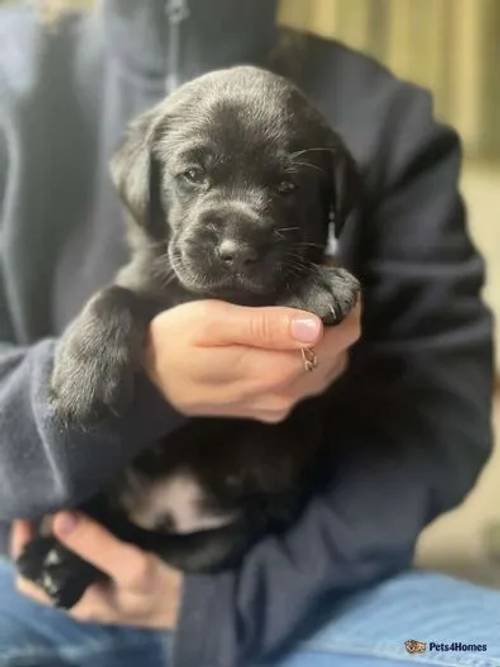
column 239, row 176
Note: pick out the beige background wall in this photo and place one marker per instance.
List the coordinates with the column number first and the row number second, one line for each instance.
column 449, row 46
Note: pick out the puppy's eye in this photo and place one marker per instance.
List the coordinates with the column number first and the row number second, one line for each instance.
column 286, row 187
column 194, row 175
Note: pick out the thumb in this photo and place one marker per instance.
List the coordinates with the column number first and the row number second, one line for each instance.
column 272, row 328
column 22, row 532
column 119, row 560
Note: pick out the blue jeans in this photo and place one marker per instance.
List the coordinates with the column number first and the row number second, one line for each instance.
column 366, row 630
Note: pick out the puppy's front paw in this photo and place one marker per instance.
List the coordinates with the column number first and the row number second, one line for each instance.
column 96, row 360
column 89, row 381
column 59, row 572
column 330, row 293
column 336, row 295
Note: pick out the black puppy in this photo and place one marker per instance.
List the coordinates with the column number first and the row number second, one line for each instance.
column 231, row 184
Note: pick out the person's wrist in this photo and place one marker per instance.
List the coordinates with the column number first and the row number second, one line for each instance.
column 171, row 603
column 150, row 362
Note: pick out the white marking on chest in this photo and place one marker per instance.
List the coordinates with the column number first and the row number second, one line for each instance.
column 178, row 496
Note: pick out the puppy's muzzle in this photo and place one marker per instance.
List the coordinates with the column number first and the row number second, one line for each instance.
column 237, row 255
column 238, row 238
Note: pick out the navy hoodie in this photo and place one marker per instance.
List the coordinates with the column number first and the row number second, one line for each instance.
column 411, row 418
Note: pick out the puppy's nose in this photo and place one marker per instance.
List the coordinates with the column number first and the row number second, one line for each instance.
column 236, row 254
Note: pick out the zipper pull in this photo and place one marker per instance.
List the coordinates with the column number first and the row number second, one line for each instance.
column 176, row 10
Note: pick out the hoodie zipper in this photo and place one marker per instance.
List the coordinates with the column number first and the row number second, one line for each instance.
column 177, row 11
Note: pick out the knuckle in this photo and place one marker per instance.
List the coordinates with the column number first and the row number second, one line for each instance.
column 265, row 328
column 140, row 570
column 343, row 364
column 355, row 332
column 83, row 614
column 21, row 585
column 353, row 326
column 274, row 416
column 338, row 368
column 281, row 404
column 281, row 415
column 260, row 327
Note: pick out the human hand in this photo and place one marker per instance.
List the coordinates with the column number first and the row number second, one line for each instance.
column 142, row 591
column 211, row 358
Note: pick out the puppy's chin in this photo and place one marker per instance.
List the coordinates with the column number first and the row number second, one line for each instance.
column 235, row 287
column 231, row 286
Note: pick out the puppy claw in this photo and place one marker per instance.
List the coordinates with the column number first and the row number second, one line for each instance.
column 330, row 294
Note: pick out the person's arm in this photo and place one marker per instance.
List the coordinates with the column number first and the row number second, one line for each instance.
column 43, row 465
column 410, row 420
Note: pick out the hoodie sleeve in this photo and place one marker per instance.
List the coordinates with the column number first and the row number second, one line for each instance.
column 410, row 420
column 44, row 466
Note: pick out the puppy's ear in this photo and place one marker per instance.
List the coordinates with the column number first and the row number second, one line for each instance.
column 132, row 169
column 346, row 189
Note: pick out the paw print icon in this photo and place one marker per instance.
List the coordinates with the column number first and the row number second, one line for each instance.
column 414, row 646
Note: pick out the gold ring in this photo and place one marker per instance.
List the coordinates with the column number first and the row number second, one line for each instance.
column 309, row 358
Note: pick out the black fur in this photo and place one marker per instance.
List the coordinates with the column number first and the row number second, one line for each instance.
column 231, row 184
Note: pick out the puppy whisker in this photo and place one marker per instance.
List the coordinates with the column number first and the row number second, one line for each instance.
column 299, row 153
column 308, row 165
column 309, row 244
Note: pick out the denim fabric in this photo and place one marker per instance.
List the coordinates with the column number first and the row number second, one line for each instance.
column 32, row 635
column 367, row 630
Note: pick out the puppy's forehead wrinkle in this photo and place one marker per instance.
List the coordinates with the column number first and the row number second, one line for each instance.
column 194, row 152
column 238, row 205
column 243, row 104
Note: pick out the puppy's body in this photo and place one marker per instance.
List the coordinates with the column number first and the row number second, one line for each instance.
column 231, row 184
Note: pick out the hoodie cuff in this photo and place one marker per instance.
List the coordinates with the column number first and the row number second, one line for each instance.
column 206, row 630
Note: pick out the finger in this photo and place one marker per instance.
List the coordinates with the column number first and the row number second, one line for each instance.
column 31, row 590
column 263, row 371
column 22, row 532
column 272, row 328
column 127, row 565
column 98, row 605
column 342, row 336
column 272, row 417
column 244, row 372
column 339, row 368
column 317, row 382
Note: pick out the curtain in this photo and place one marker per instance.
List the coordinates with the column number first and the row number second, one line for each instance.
column 451, row 47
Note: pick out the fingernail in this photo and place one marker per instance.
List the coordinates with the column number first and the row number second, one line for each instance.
column 306, row 329
column 66, row 523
